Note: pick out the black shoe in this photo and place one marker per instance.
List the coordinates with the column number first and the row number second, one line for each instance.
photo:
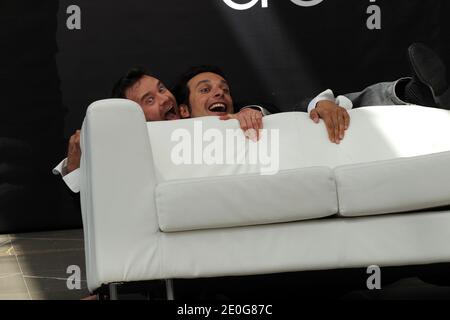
column 428, row 72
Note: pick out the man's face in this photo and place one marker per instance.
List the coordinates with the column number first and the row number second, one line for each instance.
column 209, row 95
column 155, row 99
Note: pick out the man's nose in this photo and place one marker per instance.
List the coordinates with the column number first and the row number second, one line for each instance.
column 218, row 92
column 163, row 99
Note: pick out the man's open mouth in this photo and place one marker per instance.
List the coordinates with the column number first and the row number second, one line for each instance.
column 218, row 107
column 171, row 114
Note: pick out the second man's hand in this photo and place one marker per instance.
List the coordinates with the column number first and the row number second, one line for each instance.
column 73, row 153
column 250, row 121
column 336, row 119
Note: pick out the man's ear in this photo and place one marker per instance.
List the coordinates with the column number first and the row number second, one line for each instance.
column 184, row 111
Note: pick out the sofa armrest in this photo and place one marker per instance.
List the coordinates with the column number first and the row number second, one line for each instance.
column 117, row 189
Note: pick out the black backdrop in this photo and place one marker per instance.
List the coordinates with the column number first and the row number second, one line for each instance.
column 279, row 54
column 31, row 120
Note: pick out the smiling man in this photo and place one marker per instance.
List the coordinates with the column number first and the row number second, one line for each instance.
column 204, row 91
column 156, row 101
column 209, row 94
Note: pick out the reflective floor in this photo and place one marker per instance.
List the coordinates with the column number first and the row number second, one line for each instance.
column 51, row 266
column 34, row 266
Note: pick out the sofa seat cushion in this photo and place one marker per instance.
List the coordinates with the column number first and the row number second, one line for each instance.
column 392, row 186
column 253, row 199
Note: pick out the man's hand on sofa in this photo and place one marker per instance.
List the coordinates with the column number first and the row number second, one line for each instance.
column 250, row 121
column 336, row 119
column 73, row 153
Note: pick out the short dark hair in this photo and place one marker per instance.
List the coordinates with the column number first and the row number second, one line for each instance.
column 181, row 90
column 127, row 81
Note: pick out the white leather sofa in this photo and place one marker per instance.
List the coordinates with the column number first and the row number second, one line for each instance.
column 330, row 206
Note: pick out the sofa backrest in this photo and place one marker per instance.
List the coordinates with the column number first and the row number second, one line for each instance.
column 294, row 141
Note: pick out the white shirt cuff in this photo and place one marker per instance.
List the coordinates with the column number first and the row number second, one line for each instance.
column 72, row 179
column 328, row 95
column 264, row 111
column 60, row 168
column 344, row 102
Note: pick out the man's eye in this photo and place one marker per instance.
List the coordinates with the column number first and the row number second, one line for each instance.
column 162, row 88
column 149, row 101
column 204, row 90
column 226, row 90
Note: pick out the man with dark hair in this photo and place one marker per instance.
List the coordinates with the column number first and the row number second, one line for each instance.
column 204, row 91
column 181, row 89
column 156, row 101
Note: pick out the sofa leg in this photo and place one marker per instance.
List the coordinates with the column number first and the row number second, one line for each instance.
column 169, row 289
column 113, row 291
